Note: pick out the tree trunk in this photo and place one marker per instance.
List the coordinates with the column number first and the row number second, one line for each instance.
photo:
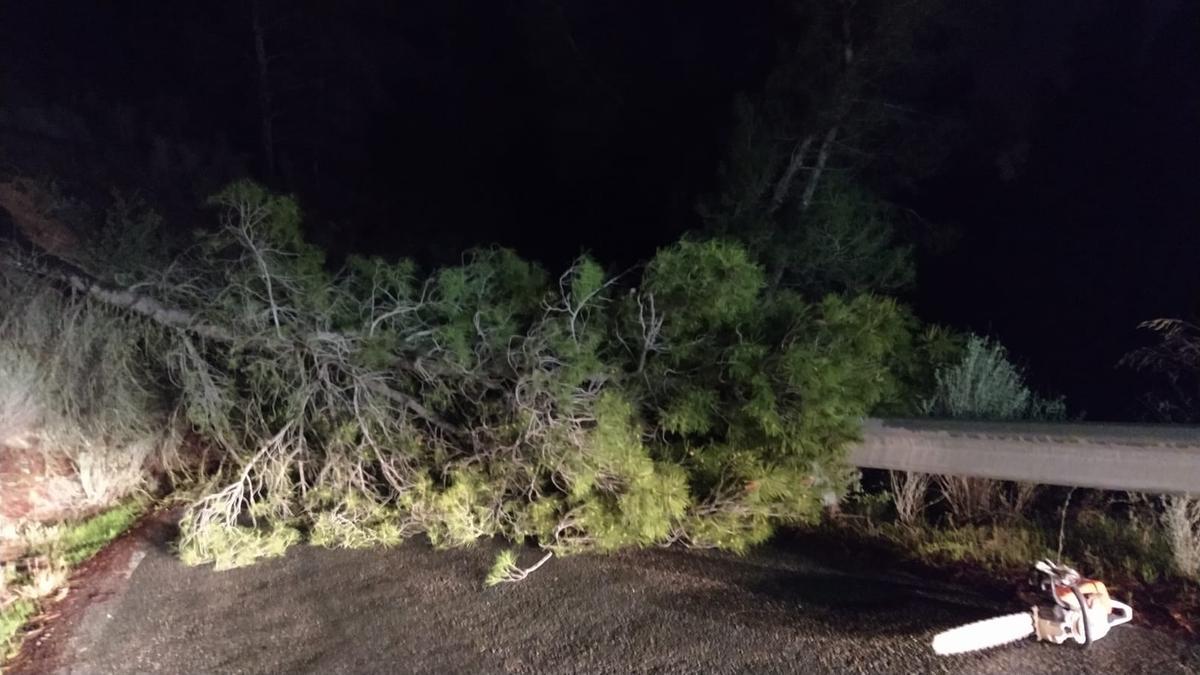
column 799, row 154
column 779, row 267
column 822, row 157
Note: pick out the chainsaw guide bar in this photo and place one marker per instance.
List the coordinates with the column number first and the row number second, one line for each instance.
column 984, row 634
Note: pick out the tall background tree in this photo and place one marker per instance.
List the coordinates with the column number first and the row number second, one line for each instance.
column 803, row 182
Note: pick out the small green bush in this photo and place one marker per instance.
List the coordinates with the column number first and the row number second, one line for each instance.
column 985, row 385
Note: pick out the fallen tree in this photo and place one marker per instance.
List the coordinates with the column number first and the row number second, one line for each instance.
column 583, row 412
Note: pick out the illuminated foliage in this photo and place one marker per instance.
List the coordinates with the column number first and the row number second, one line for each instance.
column 580, row 412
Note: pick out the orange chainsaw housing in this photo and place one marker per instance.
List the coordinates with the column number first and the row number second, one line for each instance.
column 1095, row 596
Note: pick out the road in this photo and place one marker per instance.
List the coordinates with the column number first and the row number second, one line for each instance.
column 412, row 609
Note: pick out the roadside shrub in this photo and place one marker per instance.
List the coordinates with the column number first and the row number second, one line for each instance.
column 986, row 385
column 909, row 491
column 1000, row 545
column 1110, row 543
column 1175, row 357
column 77, row 380
column 20, row 411
column 1181, row 521
column 1104, row 544
column 25, row 330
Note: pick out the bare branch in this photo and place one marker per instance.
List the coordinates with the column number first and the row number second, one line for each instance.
column 815, row 177
column 795, row 163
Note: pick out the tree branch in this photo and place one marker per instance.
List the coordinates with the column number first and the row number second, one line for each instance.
column 183, row 320
column 822, row 158
column 799, row 154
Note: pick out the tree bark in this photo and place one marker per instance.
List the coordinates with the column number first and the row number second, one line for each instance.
column 145, row 306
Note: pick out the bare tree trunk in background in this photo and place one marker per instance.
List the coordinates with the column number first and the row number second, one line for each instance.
column 801, row 151
column 264, row 89
column 810, row 186
column 799, row 154
column 831, row 136
column 822, row 157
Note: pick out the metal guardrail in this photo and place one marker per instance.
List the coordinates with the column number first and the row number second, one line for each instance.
column 1136, row 457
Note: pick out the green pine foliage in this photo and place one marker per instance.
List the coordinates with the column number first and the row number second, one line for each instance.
column 695, row 406
column 579, row 412
column 846, row 243
column 762, row 391
column 502, row 568
column 231, row 546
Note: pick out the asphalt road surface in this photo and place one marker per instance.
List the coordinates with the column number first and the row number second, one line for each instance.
column 412, row 609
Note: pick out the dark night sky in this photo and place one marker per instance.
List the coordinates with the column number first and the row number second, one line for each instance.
column 419, row 128
column 1098, row 231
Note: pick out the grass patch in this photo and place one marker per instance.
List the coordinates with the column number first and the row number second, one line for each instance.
column 12, row 618
column 1123, row 542
column 995, row 546
column 51, row 551
column 83, row 540
column 1120, row 547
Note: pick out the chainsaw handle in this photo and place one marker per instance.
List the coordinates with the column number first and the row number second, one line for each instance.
column 1124, row 610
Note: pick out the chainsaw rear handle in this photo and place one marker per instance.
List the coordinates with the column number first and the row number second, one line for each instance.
column 1125, row 612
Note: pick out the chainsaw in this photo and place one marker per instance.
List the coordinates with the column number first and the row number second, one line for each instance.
column 1081, row 610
